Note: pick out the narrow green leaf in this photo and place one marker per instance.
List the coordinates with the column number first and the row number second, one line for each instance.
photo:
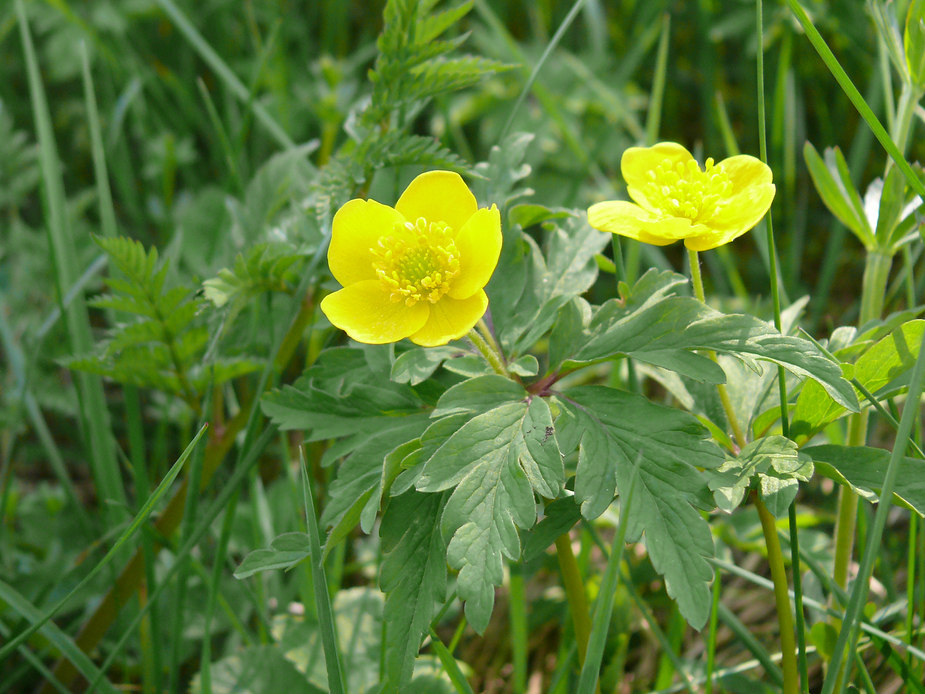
column 320, row 584
column 285, row 551
column 834, row 195
column 62, row 641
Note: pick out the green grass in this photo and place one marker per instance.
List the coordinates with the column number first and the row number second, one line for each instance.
column 227, row 135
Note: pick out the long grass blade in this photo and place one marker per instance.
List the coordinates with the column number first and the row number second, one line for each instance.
column 61, row 641
column 603, row 606
column 854, row 95
column 225, row 73
column 848, row 634
column 93, row 411
column 329, row 641
column 124, row 537
column 246, row 463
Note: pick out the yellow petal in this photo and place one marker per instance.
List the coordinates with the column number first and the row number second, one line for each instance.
column 638, row 161
column 479, row 245
column 366, row 313
column 356, row 229
column 626, row 219
column 745, row 171
column 743, row 211
column 706, row 241
column 438, row 196
column 450, row 319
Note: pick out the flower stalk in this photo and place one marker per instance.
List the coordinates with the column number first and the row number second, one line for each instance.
column 728, row 409
column 781, row 598
column 489, row 350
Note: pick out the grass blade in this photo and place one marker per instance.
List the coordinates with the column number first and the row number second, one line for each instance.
column 847, row 636
column 126, row 534
column 94, row 414
column 603, row 606
column 322, row 598
column 234, row 84
column 449, row 664
column 62, row 642
column 854, row 95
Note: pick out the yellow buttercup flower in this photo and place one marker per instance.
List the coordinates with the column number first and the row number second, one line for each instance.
column 675, row 199
column 416, row 270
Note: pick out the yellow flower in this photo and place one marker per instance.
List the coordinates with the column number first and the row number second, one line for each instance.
column 416, row 270
column 675, row 199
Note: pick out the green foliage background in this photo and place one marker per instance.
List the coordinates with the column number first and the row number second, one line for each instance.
column 230, row 133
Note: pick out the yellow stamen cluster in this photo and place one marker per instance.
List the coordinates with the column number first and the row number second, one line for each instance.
column 683, row 190
column 417, row 261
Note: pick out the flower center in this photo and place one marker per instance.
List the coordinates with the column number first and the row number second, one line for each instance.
column 683, row 190
column 417, row 262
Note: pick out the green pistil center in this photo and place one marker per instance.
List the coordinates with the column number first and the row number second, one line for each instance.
column 682, row 190
column 417, row 261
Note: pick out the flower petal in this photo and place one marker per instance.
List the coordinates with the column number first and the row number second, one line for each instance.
column 356, row 229
column 627, row 219
column 745, row 171
column 366, row 313
column 743, row 211
column 479, row 246
column 438, row 196
column 450, row 319
column 638, row 161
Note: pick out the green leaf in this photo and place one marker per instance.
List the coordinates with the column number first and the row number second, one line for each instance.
column 862, row 469
column 358, row 485
column 528, row 215
column 526, row 365
column 256, row 670
column 285, row 551
column 266, row 267
column 339, row 396
column 496, row 461
column 558, row 518
column 522, row 316
column 774, row 462
column 663, row 323
column 881, row 364
column 914, row 42
column 478, row 394
column 833, row 183
column 622, row 431
column 418, row 364
column 413, row 577
column 504, row 170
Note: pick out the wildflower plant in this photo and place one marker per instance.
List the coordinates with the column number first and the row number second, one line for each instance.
column 430, row 382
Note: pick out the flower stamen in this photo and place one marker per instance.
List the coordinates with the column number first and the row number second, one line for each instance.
column 682, row 189
column 417, row 261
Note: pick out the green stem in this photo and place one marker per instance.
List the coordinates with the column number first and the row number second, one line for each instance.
column 876, row 274
column 492, row 353
column 873, row 289
column 697, row 282
column 902, row 123
column 781, row 598
column 575, row 593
